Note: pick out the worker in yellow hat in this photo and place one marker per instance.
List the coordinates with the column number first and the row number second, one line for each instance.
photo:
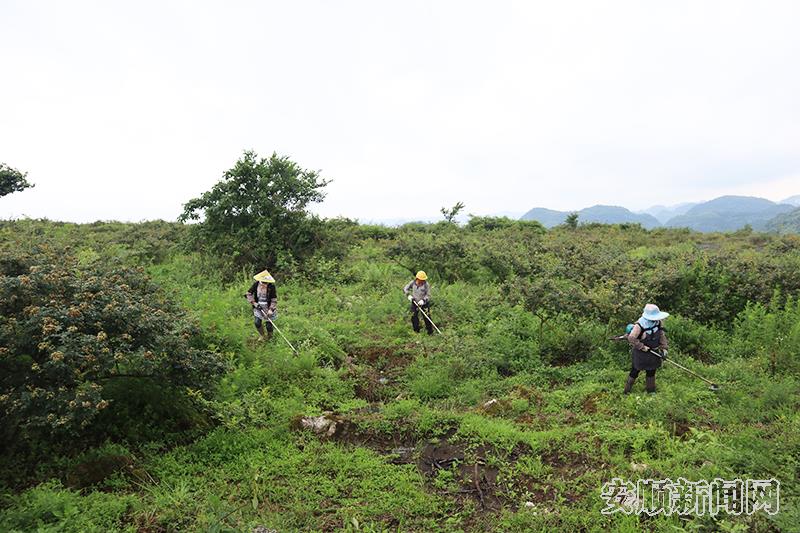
column 264, row 299
column 418, row 291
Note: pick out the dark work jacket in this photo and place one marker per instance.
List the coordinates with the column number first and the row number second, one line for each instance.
column 272, row 294
column 651, row 339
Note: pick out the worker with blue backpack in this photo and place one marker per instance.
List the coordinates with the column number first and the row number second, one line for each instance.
column 646, row 336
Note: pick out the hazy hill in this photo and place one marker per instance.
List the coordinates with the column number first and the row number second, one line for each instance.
column 609, row 214
column 604, row 214
column 785, row 222
column 793, row 200
column 547, row 217
column 664, row 213
column 729, row 213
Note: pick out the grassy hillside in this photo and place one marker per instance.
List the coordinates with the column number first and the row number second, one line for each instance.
column 510, row 421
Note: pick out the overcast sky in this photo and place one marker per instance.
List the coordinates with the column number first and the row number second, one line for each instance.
column 126, row 110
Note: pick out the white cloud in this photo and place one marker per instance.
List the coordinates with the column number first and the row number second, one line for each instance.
column 127, row 111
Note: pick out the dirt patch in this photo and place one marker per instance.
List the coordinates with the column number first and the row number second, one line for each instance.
column 467, row 473
column 96, row 471
column 375, row 372
column 567, row 464
column 380, row 358
column 589, row 404
column 92, row 472
column 472, row 475
column 680, row 428
column 533, row 396
column 371, row 385
column 353, row 429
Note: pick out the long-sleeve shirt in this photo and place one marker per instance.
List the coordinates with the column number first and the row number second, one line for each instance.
column 636, row 342
column 418, row 292
column 263, row 293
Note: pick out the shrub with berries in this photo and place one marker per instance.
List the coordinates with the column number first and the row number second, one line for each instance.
column 69, row 329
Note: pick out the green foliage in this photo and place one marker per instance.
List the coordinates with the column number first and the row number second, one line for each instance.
column 145, row 243
column 12, row 180
column 256, row 215
column 50, row 508
column 785, row 223
column 71, row 330
column 571, row 221
column 772, row 332
column 451, row 214
column 523, row 387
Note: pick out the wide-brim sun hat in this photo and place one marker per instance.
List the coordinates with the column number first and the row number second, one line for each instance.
column 264, row 277
column 422, row 275
column 652, row 312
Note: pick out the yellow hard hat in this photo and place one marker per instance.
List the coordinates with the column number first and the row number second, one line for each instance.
column 422, row 275
column 264, row 277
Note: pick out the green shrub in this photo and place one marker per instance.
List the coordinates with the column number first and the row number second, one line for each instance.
column 255, row 217
column 72, row 333
column 50, row 508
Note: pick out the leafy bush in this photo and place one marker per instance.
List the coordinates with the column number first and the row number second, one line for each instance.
column 256, row 215
column 72, row 332
column 51, row 507
column 12, row 180
column 770, row 332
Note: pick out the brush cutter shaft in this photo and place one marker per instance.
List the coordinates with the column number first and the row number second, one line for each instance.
column 682, row 367
column 282, row 335
column 427, row 317
column 266, row 315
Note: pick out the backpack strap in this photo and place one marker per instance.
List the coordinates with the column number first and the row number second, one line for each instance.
column 646, row 331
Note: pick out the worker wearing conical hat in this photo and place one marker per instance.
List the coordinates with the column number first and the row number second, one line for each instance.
column 264, row 299
column 419, row 294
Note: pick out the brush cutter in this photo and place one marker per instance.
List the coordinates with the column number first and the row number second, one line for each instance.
column 280, row 333
column 712, row 386
column 426, row 316
column 266, row 315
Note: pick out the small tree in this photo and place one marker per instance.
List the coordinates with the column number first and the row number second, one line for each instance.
column 256, row 214
column 12, row 180
column 572, row 220
column 451, row 214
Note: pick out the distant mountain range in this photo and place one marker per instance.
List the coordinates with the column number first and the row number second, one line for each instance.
column 785, row 223
column 605, row 214
column 664, row 213
column 793, row 200
column 727, row 213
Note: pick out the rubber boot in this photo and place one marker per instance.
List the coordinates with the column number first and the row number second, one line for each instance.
column 650, row 383
column 269, row 335
column 628, row 385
